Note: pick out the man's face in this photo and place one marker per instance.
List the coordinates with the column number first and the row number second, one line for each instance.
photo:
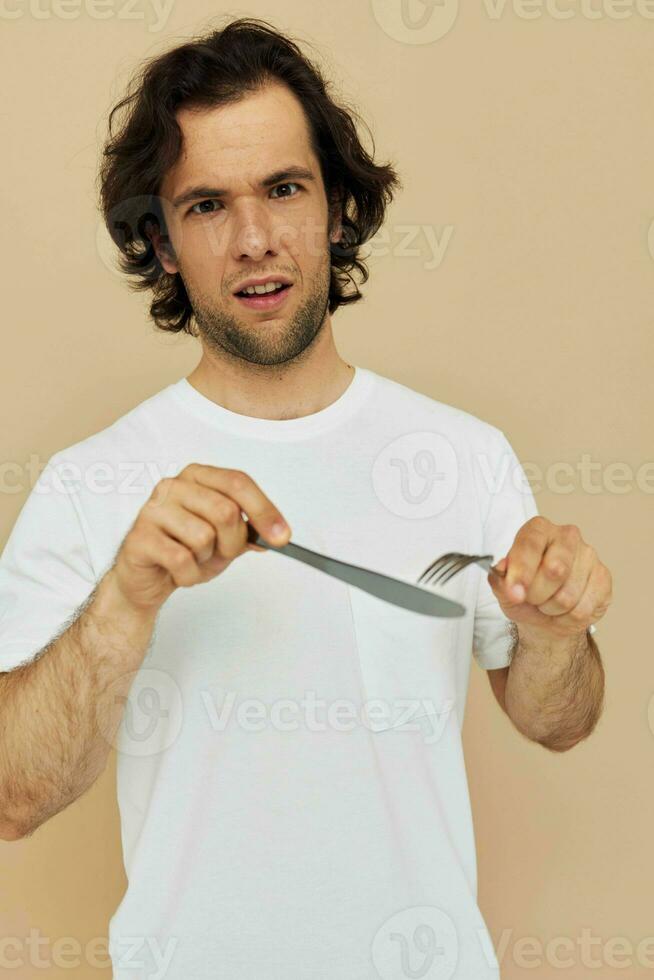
column 250, row 231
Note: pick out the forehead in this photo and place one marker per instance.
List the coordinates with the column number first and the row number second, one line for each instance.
column 240, row 141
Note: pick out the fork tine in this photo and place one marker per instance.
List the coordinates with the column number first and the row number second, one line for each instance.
column 444, row 568
column 456, row 567
column 448, row 569
column 438, row 564
column 447, row 572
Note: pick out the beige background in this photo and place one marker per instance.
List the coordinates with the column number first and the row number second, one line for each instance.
column 525, row 145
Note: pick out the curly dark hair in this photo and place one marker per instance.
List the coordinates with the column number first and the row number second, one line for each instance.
column 216, row 69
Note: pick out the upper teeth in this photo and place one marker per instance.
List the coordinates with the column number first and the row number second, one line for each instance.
column 267, row 288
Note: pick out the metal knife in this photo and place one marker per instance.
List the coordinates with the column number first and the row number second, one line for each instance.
column 385, row 587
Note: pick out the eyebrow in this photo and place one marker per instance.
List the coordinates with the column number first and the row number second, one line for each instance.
column 203, row 190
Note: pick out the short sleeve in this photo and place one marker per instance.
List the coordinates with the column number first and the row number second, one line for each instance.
column 45, row 571
column 509, row 503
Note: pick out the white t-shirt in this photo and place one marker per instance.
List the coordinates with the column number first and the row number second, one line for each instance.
column 272, row 827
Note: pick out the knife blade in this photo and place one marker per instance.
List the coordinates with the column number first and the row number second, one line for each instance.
column 385, row 587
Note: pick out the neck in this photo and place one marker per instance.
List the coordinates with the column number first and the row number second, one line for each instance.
column 274, row 391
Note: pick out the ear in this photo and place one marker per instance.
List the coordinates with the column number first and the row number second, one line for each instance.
column 164, row 250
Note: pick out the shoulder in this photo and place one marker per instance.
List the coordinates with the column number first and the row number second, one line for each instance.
column 140, row 430
column 417, row 407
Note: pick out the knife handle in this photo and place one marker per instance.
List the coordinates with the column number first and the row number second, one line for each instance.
column 313, row 558
column 253, row 535
column 255, row 538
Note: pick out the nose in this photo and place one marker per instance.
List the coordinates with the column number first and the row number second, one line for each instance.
column 253, row 236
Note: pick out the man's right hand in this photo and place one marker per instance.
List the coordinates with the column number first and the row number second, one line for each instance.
column 189, row 531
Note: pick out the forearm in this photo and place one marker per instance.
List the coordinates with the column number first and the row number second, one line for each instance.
column 59, row 713
column 554, row 688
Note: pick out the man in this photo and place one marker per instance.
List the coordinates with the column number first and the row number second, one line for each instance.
column 291, row 785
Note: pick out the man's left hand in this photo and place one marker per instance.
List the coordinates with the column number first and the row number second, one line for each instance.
column 565, row 585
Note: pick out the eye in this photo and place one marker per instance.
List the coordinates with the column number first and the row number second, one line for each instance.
column 200, row 203
column 290, row 184
column 192, row 209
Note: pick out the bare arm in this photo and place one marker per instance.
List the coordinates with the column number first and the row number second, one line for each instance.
column 60, row 711
column 56, row 721
column 552, row 586
column 554, row 688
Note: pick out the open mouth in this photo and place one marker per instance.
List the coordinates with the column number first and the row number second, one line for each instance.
column 264, row 301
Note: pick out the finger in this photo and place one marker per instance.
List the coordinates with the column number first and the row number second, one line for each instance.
column 168, row 553
column 557, row 564
column 219, row 511
column 524, row 558
column 571, row 588
column 592, row 602
column 180, row 524
column 497, row 582
column 241, row 488
column 500, row 566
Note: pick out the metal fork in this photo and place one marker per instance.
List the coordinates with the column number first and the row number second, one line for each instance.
column 448, row 565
